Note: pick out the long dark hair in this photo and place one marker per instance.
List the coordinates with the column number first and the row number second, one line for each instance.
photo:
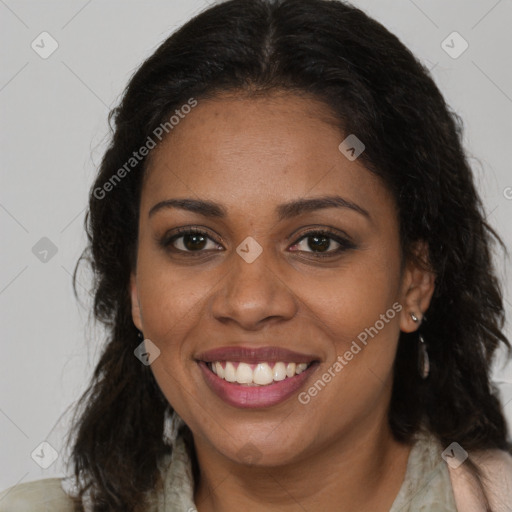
column 377, row 90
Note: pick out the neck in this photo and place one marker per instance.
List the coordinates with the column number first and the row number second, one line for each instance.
column 352, row 472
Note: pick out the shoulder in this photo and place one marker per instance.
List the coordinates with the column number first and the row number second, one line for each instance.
column 496, row 477
column 38, row 496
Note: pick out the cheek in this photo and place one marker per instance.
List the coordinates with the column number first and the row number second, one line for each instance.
column 171, row 302
column 353, row 296
column 357, row 308
column 179, row 388
column 170, row 298
column 361, row 322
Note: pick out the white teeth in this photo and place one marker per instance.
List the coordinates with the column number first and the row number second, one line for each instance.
column 290, row 370
column 229, row 372
column 262, row 375
column 218, row 369
column 300, row 368
column 279, row 371
column 243, row 374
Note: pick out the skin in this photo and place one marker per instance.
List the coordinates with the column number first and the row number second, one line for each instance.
column 249, row 155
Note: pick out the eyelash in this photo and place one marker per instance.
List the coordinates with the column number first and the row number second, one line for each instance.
column 344, row 243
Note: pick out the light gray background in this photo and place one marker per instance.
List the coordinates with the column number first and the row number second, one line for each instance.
column 54, row 124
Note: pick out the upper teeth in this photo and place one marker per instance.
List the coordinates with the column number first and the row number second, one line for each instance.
column 263, row 373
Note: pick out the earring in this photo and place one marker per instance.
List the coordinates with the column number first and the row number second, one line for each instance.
column 423, row 359
column 172, row 425
column 140, row 335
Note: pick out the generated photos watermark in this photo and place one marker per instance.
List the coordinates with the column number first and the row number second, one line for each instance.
column 158, row 133
column 342, row 360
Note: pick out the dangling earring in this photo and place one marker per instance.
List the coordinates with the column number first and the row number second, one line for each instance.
column 423, row 359
column 172, row 425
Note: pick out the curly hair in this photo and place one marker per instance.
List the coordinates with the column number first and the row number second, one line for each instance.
column 376, row 89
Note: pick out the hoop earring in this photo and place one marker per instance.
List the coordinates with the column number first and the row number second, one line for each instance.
column 423, row 359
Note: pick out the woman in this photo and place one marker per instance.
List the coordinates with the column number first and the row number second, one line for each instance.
column 295, row 270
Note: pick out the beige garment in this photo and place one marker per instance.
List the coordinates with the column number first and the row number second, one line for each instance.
column 427, row 486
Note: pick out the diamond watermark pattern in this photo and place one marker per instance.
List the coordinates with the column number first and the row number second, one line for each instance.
column 44, row 45
column 249, row 249
column 454, row 455
column 454, row 45
column 44, row 250
column 352, row 147
column 249, row 454
column 44, row 455
column 146, row 352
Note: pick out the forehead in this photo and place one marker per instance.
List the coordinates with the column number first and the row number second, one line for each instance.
column 252, row 151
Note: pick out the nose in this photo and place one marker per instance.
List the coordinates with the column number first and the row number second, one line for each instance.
column 254, row 294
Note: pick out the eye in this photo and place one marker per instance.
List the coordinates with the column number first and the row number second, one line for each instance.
column 323, row 243
column 191, row 240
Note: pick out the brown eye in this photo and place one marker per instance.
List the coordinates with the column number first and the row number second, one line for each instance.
column 190, row 240
column 320, row 243
column 194, row 241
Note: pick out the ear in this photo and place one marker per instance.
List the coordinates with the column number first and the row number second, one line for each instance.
column 418, row 284
column 134, row 295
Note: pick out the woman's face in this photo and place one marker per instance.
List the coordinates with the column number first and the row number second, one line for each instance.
column 262, row 278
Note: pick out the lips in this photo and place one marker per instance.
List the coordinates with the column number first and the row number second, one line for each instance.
column 255, row 355
column 255, row 377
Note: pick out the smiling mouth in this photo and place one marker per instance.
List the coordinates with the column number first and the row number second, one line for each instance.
column 250, row 377
column 258, row 374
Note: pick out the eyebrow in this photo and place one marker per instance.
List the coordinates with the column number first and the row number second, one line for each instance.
column 284, row 211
